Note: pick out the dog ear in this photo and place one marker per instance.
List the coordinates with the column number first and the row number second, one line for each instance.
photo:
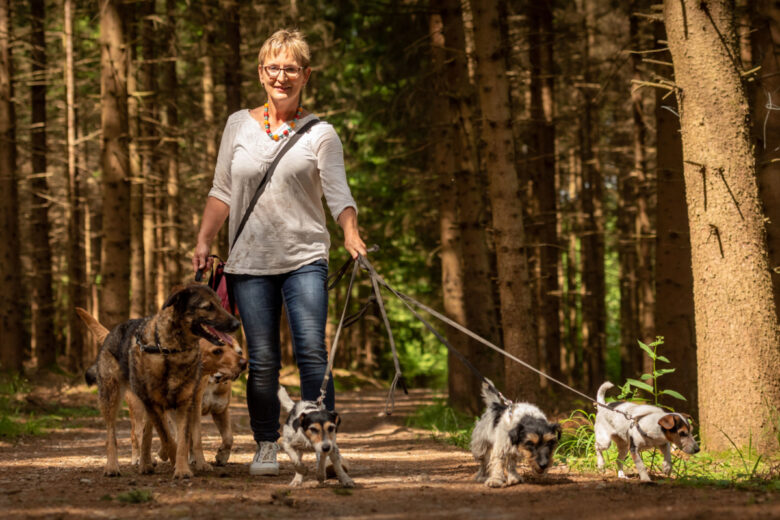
column 516, row 434
column 302, row 421
column 667, row 422
column 178, row 300
column 335, row 419
column 557, row 429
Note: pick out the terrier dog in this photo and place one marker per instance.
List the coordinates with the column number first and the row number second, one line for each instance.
column 158, row 359
column 507, row 430
column 650, row 427
column 312, row 428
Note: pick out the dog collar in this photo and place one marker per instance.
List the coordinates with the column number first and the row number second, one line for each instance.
column 156, row 348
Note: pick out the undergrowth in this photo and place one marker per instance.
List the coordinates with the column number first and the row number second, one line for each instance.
column 447, row 424
column 19, row 417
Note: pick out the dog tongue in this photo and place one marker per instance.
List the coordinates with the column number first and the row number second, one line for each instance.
column 221, row 335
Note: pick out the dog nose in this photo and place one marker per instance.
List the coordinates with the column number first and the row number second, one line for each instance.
column 696, row 449
column 243, row 363
column 325, row 447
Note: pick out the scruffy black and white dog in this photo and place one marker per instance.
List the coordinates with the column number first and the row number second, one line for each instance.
column 310, row 427
column 507, row 430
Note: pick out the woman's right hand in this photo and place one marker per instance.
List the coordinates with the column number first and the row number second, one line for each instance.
column 200, row 257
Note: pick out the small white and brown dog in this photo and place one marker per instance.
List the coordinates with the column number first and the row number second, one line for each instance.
column 506, row 431
column 648, row 427
column 310, row 427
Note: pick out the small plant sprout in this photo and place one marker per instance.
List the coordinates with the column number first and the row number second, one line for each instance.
column 649, row 382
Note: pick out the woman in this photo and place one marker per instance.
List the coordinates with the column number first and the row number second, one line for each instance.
column 281, row 254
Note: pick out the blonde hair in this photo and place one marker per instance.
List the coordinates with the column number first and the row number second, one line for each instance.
column 282, row 40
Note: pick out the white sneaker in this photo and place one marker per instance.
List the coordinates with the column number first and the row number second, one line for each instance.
column 265, row 462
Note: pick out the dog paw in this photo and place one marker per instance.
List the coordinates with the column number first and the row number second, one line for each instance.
column 621, row 474
column 223, row 454
column 348, row 483
column 202, row 466
column 182, row 474
column 297, row 481
column 511, row 480
column 111, row 472
column 495, row 482
column 145, row 469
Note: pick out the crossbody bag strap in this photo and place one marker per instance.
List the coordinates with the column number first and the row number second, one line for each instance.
column 294, row 139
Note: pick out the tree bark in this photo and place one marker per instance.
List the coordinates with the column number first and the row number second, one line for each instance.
column 497, row 143
column 443, row 162
column 542, row 154
column 115, row 266
column 478, row 252
column 171, row 125
column 137, row 272
column 77, row 281
column 674, row 313
column 738, row 360
column 43, row 336
column 594, row 289
column 12, row 346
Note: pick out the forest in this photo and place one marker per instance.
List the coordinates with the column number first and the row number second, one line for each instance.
column 581, row 182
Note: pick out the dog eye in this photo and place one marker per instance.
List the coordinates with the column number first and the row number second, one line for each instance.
column 331, row 429
column 530, row 445
column 313, row 430
column 683, row 434
column 217, row 351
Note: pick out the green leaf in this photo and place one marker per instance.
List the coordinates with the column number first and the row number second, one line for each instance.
column 646, row 376
column 647, row 349
column 639, row 384
column 662, row 358
column 674, row 394
column 662, row 371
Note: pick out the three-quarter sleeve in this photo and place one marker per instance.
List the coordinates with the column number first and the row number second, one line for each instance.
column 221, row 185
column 330, row 163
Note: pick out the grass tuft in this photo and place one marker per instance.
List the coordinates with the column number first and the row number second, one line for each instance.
column 448, row 425
column 135, row 496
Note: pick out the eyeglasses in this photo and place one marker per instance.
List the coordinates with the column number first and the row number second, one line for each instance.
column 289, row 71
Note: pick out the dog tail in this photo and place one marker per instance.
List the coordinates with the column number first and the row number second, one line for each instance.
column 94, row 326
column 284, row 399
column 603, row 390
column 489, row 393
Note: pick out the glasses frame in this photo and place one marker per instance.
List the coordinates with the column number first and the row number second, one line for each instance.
column 282, row 69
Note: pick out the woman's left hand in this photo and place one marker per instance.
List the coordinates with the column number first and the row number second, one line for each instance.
column 354, row 244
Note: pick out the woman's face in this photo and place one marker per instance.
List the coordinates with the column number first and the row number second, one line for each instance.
column 282, row 77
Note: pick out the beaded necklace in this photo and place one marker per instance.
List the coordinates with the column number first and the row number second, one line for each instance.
column 286, row 131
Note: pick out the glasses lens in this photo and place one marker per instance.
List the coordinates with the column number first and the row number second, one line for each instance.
column 291, row 72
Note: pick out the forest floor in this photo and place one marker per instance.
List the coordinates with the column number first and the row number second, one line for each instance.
column 400, row 472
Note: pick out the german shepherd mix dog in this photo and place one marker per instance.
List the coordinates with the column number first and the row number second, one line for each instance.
column 220, row 366
column 158, row 359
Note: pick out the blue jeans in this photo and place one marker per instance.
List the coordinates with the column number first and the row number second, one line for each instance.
column 304, row 294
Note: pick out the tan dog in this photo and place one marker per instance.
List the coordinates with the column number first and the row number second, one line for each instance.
column 220, row 366
column 158, row 359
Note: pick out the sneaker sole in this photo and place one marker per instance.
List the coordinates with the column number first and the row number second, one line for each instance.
column 264, row 472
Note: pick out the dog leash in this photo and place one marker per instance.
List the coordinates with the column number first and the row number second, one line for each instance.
column 408, row 301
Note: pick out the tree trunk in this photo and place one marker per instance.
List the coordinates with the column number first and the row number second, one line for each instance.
column 77, row 295
column 208, row 42
column 738, row 360
column 115, row 266
column 232, row 75
column 43, row 337
column 171, row 126
column 674, row 313
column 593, row 305
column 137, row 276
column 12, row 346
column 497, row 143
column 767, row 124
column 478, row 252
column 148, row 147
column 443, row 163
column 543, row 174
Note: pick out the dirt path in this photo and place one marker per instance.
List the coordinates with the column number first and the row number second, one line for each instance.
column 399, row 472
